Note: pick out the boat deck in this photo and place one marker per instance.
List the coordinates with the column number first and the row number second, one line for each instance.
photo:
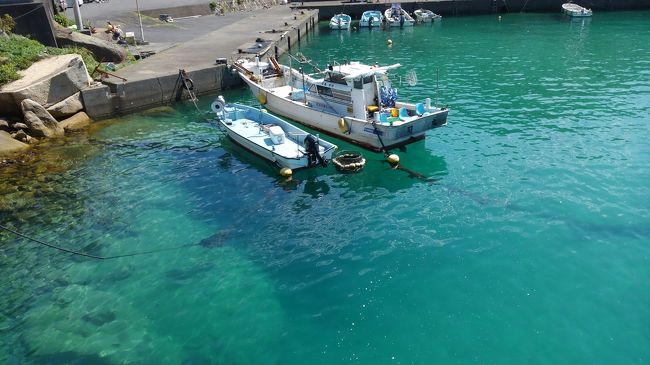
column 253, row 132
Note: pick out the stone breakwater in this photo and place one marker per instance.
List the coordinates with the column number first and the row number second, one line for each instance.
column 45, row 103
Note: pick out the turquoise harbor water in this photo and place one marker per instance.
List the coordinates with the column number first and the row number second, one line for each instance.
column 529, row 241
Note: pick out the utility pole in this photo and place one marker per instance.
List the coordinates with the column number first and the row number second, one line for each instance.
column 137, row 7
column 77, row 15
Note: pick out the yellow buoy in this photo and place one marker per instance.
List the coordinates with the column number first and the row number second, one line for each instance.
column 343, row 125
column 389, row 42
column 393, row 159
column 286, row 172
column 262, row 98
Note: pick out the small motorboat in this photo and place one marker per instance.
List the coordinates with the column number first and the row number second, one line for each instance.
column 395, row 16
column 371, row 18
column 340, row 21
column 575, row 10
column 426, row 16
column 272, row 137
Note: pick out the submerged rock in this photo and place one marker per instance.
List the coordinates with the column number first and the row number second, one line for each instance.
column 8, row 144
column 76, row 122
column 39, row 122
column 216, row 240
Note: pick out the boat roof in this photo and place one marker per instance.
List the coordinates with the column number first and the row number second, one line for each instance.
column 354, row 70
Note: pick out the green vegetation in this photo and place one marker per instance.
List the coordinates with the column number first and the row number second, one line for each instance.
column 63, row 21
column 213, row 6
column 7, row 23
column 85, row 54
column 18, row 53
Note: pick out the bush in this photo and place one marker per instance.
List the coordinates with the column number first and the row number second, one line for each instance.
column 63, row 21
column 17, row 53
column 213, row 6
column 7, row 23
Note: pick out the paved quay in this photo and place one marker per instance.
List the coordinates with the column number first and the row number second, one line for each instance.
column 202, row 52
column 153, row 81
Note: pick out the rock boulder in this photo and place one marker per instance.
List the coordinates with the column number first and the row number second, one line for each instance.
column 4, row 125
column 8, row 144
column 101, row 49
column 39, row 122
column 75, row 122
column 46, row 82
column 66, row 107
column 20, row 126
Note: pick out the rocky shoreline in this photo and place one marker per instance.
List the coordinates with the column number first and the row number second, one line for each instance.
column 45, row 103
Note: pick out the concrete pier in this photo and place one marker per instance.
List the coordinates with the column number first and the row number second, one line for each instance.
column 153, row 81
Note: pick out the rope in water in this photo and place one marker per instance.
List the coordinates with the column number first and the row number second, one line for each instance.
column 59, row 248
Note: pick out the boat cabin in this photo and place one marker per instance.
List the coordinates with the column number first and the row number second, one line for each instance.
column 350, row 89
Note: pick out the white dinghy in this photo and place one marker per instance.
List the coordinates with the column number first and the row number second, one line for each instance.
column 371, row 18
column 426, row 16
column 340, row 21
column 395, row 16
column 271, row 137
column 575, row 10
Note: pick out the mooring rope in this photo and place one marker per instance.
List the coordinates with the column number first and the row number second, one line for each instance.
column 78, row 253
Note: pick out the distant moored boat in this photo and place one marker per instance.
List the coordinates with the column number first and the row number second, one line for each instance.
column 426, row 16
column 575, row 10
column 340, row 21
column 371, row 18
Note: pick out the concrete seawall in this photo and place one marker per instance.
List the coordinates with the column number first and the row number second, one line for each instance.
column 155, row 81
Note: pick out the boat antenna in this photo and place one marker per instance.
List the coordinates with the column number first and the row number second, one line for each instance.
column 437, row 84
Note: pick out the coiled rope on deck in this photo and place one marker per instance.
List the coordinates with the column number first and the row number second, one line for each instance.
column 78, row 253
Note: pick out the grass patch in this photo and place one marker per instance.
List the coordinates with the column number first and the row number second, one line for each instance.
column 18, row 53
column 85, row 54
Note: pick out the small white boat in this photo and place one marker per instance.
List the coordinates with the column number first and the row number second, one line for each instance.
column 426, row 16
column 271, row 137
column 575, row 10
column 395, row 16
column 371, row 18
column 340, row 21
column 351, row 101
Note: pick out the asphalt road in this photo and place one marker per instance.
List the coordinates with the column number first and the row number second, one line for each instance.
column 123, row 13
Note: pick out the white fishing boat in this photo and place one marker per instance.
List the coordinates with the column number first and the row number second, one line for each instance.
column 426, row 16
column 352, row 101
column 371, row 18
column 272, row 137
column 340, row 21
column 575, row 10
column 395, row 16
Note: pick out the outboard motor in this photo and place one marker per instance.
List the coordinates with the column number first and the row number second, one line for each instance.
column 311, row 146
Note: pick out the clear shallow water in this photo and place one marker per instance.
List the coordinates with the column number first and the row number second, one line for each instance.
column 532, row 245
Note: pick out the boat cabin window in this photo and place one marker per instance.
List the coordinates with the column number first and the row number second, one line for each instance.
column 336, row 78
column 324, row 90
column 358, row 82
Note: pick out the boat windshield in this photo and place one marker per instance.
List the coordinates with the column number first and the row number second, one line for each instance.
column 335, row 78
